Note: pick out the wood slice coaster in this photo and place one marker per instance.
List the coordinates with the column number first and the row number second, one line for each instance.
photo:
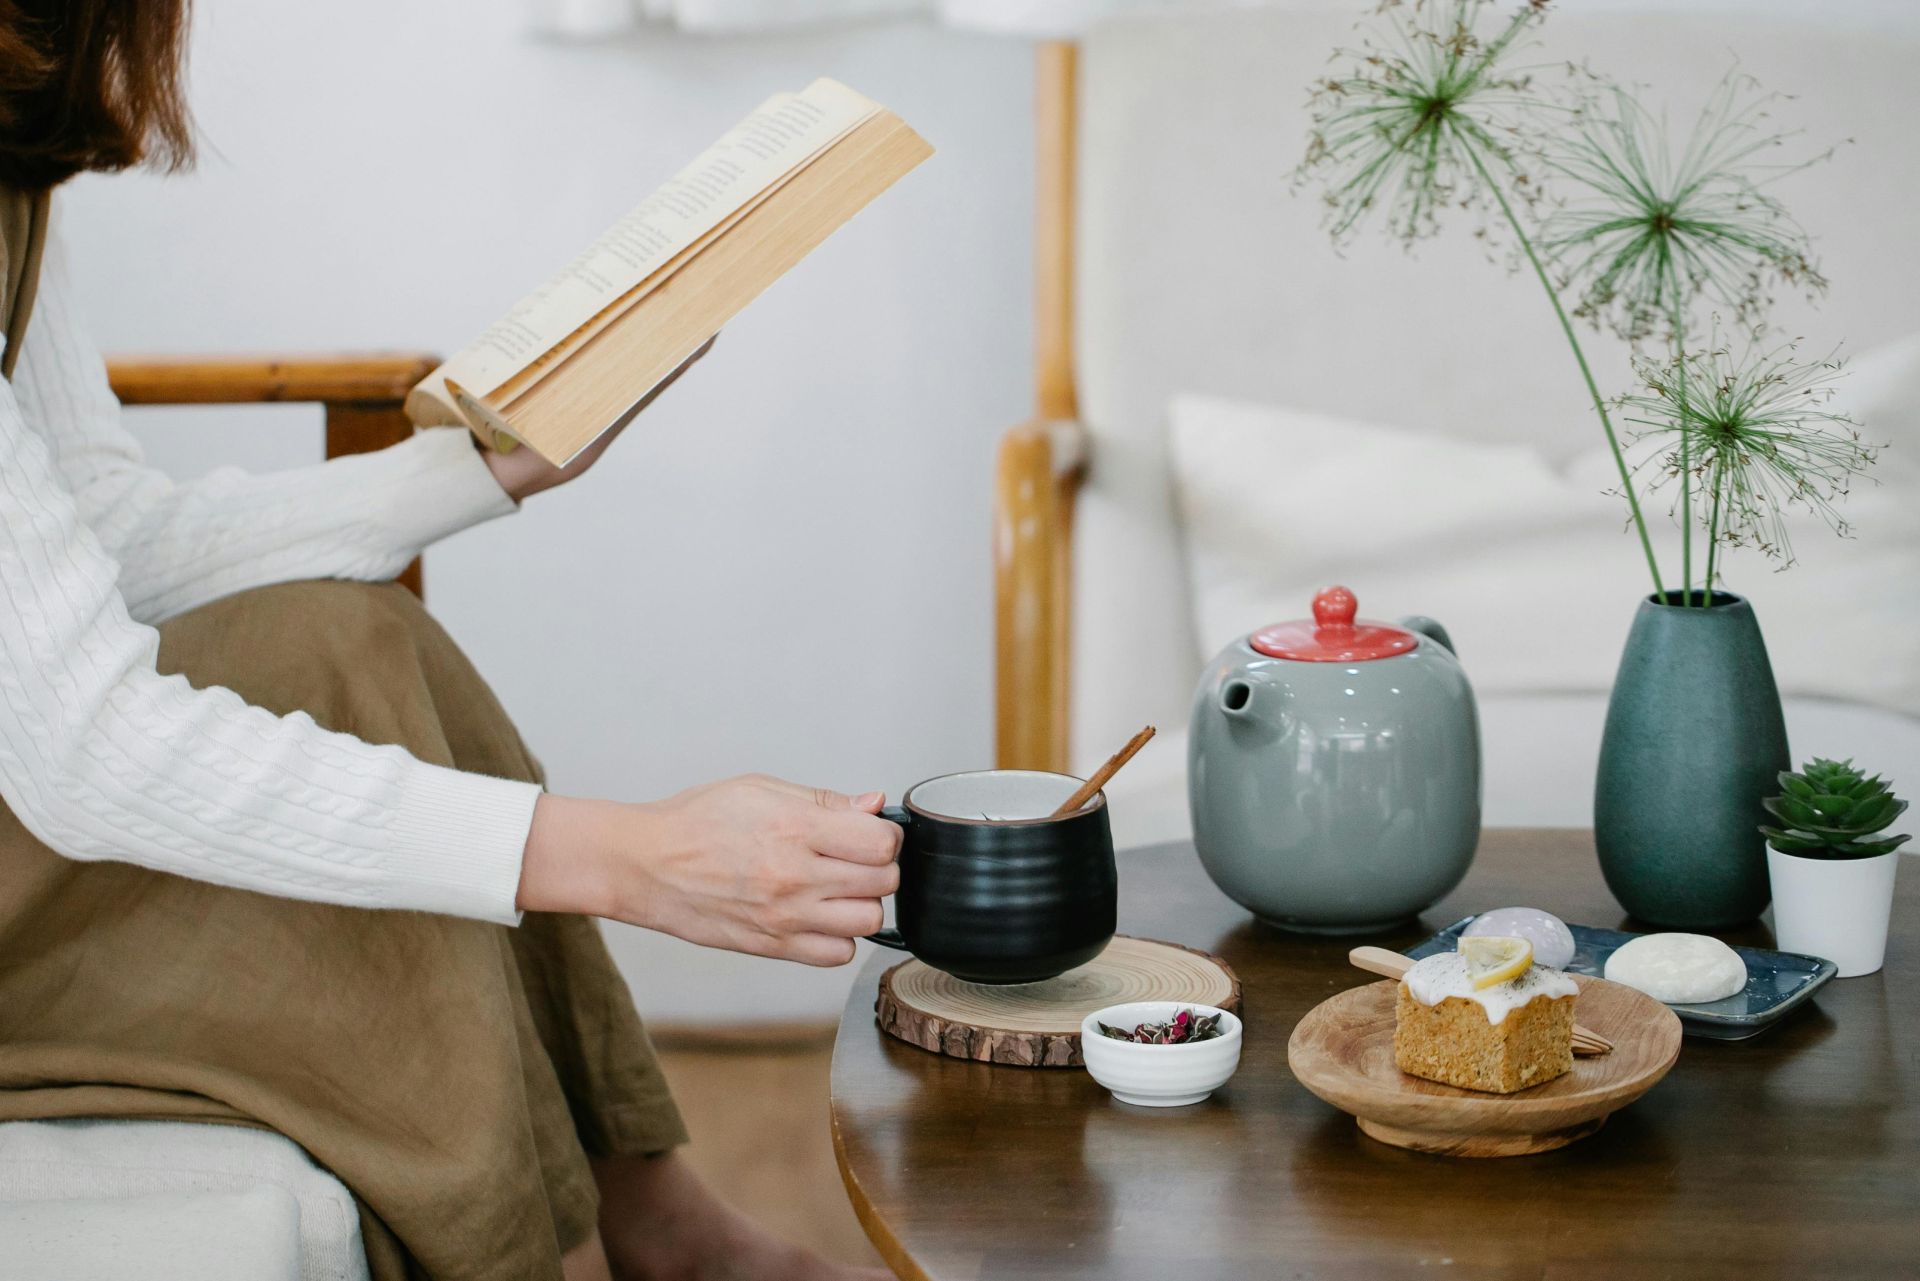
column 1038, row 1024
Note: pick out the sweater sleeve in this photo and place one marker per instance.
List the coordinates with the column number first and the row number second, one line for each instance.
column 101, row 757
column 182, row 545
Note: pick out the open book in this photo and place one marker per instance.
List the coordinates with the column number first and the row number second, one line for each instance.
column 578, row 355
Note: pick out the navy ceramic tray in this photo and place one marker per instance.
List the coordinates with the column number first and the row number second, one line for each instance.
column 1776, row 981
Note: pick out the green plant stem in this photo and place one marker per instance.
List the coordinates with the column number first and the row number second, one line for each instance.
column 1677, row 340
column 1686, row 524
column 1579, row 356
column 1686, row 518
column 1713, row 525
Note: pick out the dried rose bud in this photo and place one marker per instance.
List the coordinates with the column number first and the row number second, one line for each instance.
column 1183, row 1028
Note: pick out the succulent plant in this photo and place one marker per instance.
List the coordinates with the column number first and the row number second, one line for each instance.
column 1832, row 810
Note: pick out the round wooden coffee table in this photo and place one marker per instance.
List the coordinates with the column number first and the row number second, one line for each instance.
column 1795, row 1154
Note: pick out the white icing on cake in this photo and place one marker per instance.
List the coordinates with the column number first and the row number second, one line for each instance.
column 1435, row 978
column 1552, row 940
column 1681, row 969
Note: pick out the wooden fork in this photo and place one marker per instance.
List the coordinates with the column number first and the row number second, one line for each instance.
column 1587, row 1043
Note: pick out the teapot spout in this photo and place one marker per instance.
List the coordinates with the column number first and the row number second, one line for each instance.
column 1252, row 705
column 1237, row 697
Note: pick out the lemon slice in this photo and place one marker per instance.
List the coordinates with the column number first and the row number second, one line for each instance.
column 1492, row 959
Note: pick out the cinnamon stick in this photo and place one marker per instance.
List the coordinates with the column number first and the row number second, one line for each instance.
column 1089, row 789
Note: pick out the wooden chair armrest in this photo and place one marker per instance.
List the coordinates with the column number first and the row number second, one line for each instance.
column 362, row 394
column 383, row 377
column 1038, row 475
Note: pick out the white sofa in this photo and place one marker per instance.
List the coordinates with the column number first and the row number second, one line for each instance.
column 1199, row 271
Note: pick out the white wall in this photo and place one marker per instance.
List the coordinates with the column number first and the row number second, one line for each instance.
column 784, row 567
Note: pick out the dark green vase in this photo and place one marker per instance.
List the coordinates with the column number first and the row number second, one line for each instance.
column 1694, row 740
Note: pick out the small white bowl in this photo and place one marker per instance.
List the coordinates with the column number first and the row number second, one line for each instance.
column 1159, row 1076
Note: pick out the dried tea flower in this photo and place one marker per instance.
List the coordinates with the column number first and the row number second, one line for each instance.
column 1183, row 1028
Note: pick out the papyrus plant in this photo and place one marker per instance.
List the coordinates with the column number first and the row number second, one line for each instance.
column 1434, row 112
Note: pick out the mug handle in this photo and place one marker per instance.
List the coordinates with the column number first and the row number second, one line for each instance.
column 891, row 937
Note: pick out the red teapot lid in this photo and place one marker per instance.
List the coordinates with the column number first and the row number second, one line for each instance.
column 1334, row 635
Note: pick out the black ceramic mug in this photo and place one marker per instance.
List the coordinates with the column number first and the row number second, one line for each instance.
column 992, row 888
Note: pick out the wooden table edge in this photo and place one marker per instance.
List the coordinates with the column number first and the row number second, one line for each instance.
column 860, row 1005
column 891, row 1251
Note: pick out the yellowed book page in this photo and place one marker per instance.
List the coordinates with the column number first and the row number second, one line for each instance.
column 786, row 132
column 599, row 385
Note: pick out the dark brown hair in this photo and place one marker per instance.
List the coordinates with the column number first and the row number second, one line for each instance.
column 91, row 84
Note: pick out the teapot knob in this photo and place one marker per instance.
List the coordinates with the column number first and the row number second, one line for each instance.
column 1335, row 607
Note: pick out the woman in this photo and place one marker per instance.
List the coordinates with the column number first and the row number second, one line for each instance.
column 264, row 864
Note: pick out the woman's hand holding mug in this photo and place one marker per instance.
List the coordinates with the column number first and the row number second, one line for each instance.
column 751, row 864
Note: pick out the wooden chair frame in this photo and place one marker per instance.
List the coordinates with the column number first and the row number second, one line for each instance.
column 1042, row 462
column 361, row 394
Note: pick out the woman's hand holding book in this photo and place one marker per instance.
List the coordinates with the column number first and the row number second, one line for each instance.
column 523, row 473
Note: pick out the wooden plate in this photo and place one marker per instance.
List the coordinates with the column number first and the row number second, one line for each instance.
column 1343, row 1052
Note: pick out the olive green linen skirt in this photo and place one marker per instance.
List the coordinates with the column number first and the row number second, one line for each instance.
column 455, row 1075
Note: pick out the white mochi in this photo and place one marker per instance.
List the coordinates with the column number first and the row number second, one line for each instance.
column 1680, row 969
column 1552, row 940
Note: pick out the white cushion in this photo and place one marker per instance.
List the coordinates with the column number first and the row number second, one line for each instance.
column 1541, row 753
column 123, row 1181
column 1527, row 564
column 1200, row 271
column 252, row 1235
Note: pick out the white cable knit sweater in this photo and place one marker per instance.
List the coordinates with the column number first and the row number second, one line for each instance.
column 103, row 758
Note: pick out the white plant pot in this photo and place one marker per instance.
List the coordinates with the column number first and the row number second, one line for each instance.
column 1836, row 908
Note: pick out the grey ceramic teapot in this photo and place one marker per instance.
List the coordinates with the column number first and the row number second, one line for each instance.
column 1333, row 769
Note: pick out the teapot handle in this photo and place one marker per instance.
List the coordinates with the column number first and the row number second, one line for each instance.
column 1430, row 629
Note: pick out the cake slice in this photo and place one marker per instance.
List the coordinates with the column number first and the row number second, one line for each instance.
column 1508, row 1036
